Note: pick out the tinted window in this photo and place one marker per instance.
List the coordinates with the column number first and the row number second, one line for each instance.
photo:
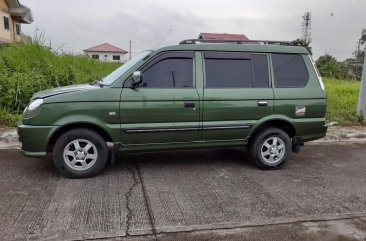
column 289, row 70
column 169, row 71
column 236, row 70
column 228, row 70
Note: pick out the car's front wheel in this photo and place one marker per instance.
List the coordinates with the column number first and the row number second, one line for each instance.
column 269, row 148
column 80, row 153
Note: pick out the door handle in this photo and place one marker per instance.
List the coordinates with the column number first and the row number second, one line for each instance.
column 189, row 105
column 262, row 103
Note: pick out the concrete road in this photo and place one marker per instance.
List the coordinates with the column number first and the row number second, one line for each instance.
column 196, row 195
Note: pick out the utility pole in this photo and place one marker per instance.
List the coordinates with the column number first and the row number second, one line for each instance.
column 129, row 53
column 306, row 28
column 361, row 108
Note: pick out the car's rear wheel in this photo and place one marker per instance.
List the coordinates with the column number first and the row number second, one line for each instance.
column 80, row 153
column 269, row 148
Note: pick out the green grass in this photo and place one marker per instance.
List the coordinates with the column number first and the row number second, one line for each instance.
column 8, row 119
column 342, row 99
column 28, row 68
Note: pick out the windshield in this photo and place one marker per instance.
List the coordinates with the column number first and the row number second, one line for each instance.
column 125, row 67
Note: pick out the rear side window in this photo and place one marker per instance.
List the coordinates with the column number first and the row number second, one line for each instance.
column 236, row 70
column 289, row 71
column 170, row 70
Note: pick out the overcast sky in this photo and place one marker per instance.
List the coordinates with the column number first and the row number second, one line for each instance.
column 80, row 24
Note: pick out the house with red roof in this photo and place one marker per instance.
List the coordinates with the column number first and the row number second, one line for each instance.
column 107, row 52
column 223, row 36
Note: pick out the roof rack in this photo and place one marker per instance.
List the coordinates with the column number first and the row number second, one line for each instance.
column 198, row 41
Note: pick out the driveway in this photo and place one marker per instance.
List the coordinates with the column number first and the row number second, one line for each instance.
column 193, row 195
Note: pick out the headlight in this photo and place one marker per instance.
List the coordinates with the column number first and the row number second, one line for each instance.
column 32, row 108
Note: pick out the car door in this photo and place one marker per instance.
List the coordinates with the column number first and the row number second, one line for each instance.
column 237, row 93
column 164, row 107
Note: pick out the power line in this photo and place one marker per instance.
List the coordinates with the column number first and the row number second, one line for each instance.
column 163, row 38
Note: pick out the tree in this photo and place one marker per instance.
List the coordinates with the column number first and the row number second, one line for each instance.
column 302, row 43
column 355, row 65
column 328, row 66
column 363, row 37
column 359, row 53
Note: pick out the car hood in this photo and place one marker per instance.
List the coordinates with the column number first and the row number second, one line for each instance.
column 63, row 90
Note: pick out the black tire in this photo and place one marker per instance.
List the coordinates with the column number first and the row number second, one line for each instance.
column 259, row 144
column 88, row 163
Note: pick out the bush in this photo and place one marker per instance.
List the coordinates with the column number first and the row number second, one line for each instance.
column 329, row 67
column 28, row 68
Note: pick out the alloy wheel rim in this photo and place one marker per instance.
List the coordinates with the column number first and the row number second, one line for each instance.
column 80, row 154
column 273, row 149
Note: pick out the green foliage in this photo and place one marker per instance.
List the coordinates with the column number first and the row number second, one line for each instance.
column 28, row 68
column 302, row 43
column 329, row 67
column 7, row 119
column 361, row 56
column 342, row 98
column 363, row 37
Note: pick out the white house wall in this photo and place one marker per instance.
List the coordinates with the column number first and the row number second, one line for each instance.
column 108, row 56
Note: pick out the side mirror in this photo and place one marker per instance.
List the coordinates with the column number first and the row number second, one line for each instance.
column 136, row 77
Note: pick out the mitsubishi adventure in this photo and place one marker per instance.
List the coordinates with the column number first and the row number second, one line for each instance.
column 266, row 96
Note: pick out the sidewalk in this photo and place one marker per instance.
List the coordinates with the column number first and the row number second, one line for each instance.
column 344, row 134
column 9, row 137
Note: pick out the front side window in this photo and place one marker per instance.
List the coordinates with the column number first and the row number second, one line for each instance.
column 170, row 70
column 289, row 71
column 236, row 70
column 95, row 56
column 116, row 57
column 6, row 23
column 115, row 75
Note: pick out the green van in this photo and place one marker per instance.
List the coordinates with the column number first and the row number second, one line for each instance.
column 265, row 95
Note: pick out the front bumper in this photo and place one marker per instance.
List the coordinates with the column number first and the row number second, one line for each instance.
column 34, row 139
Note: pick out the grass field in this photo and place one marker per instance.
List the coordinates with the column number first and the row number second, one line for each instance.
column 342, row 99
column 29, row 68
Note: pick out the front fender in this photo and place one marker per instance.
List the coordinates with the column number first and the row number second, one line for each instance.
column 112, row 130
column 104, row 115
